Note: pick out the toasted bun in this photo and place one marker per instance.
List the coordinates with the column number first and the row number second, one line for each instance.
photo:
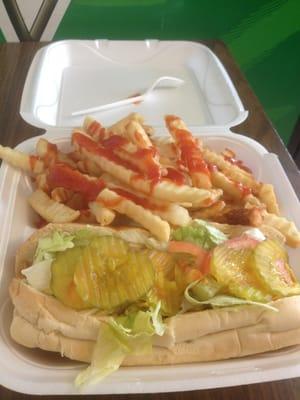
column 41, row 321
column 273, row 330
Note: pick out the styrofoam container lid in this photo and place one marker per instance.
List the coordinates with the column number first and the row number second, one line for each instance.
column 72, row 75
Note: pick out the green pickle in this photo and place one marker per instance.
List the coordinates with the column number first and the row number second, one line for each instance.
column 109, row 274
column 62, row 282
column 163, row 262
column 166, row 287
column 230, row 267
column 269, row 262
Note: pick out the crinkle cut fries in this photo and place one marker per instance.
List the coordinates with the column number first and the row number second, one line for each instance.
column 156, row 183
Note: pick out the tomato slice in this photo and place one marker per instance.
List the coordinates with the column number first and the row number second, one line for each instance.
column 206, row 263
column 190, row 248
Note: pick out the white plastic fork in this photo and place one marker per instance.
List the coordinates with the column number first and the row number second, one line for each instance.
column 163, row 81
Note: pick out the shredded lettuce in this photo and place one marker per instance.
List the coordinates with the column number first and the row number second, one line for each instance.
column 39, row 275
column 201, row 233
column 108, row 354
column 157, row 322
column 205, row 288
column 127, row 334
column 49, row 245
column 83, row 237
column 254, row 233
column 221, row 300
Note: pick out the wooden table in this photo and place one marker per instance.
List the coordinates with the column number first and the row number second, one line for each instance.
column 15, row 60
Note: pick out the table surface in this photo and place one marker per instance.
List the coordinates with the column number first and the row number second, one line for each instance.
column 15, row 59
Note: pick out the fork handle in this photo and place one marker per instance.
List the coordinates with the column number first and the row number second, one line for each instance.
column 109, row 106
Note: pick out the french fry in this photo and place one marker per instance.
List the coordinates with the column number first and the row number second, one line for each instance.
column 235, row 190
column 51, row 210
column 120, row 126
column 180, row 194
column 231, row 171
column 50, row 154
column 41, row 182
column 60, row 175
column 168, row 157
column 127, row 147
column 75, row 156
column 230, row 156
column 132, row 128
column 20, row 160
column 158, row 227
column 149, row 130
column 81, row 166
column 177, row 123
column 128, row 174
column 65, row 159
column 94, row 129
column 173, row 213
column 252, row 201
column 104, row 216
column 189, row 152
column 163, row 190
column 286, row 227
column 88, row 167
column 61, row 195
column 42, row 147
column 238, row 215
column 267, row 196
column 135, row 132
column 210, row 212
column 142, row 159
column 92, row 168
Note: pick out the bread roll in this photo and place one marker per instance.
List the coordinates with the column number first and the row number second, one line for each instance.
column 42, row 321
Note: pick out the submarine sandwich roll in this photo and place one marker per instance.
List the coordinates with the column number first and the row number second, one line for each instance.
column 111, row 297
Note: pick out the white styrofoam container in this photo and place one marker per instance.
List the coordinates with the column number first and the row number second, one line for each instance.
column 72, row 75
column 218, row 108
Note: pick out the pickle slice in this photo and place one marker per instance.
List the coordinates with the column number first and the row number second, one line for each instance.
column 62, row 283
column 270, row 264
column 163, row 262
column 109, row 274
column 230, row 268
column 166, row 288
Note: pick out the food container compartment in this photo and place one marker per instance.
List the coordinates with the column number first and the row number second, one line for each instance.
column 71, row 75
column 37, row 372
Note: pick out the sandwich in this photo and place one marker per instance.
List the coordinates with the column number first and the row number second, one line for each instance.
column 111, row 297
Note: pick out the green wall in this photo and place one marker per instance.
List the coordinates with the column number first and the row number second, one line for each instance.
column 263, row 35
column 2, row 38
